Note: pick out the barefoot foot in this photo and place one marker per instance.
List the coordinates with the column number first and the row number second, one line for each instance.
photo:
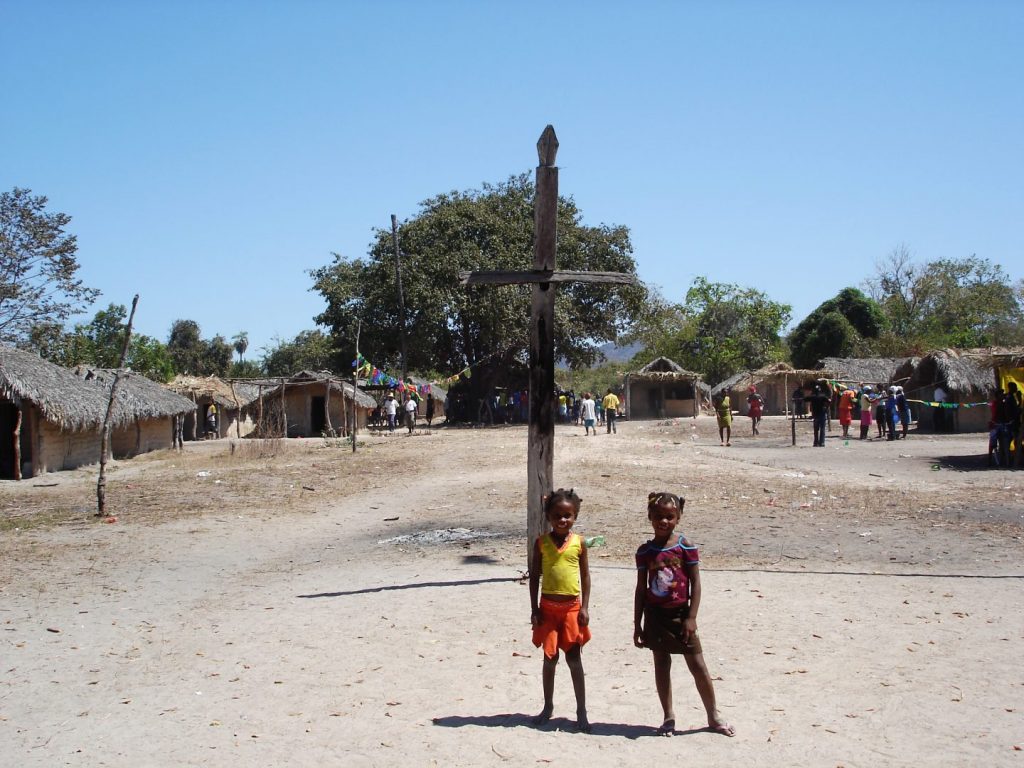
column 544, row 716
column 721, row 727
column 582, row 723
column 667, row 728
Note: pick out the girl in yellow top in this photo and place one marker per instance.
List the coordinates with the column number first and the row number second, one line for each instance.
column 561, row 618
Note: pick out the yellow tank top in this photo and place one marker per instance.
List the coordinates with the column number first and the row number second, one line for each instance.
column 560, row 568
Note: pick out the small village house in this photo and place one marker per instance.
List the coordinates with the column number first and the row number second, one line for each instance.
column 50, row 418
column 236, row 403
column 661, row 389
column 317, row 403
column 155, row 411
column 775, row 383
column 965, row 376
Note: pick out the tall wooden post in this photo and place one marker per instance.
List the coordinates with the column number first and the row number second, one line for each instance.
column 543, row 277
column 355, row 387
column 541, row 451
column 401, row 298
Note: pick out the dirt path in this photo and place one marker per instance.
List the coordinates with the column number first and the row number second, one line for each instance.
column 253, row 622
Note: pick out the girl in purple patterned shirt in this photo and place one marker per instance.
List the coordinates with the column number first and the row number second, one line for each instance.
column 665, row 608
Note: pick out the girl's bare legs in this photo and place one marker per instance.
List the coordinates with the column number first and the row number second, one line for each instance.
column 706, row 689
column 548, row 679
column 574, row 660
column 663, row 682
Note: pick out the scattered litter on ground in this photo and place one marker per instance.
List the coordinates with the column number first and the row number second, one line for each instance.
column 442, row 536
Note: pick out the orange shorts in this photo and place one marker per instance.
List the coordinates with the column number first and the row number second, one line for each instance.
column 559, row 627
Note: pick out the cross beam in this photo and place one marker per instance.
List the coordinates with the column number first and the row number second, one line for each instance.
column 510, row 277
column 543, row 277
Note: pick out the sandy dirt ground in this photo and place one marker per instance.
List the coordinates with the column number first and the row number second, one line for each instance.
column 291, row 603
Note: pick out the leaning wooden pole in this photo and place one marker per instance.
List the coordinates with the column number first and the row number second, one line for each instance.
column 540, row 457
column 17, row 443
column 327, row 408
column 101, row 484
column 355, row 388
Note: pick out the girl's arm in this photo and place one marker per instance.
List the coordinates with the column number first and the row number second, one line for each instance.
column 639, row 599
column 584, row 586
column 535, row 568
column 693, row 574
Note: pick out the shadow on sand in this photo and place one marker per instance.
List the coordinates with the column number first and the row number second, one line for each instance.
column 416, row 585
column 519, row 720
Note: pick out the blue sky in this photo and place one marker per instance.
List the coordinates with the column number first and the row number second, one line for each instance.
column 211, row 153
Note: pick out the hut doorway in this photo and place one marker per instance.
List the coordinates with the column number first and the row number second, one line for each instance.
column 8, row 419
column 317, row 422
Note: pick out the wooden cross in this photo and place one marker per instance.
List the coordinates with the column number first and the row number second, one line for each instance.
column 541, row 456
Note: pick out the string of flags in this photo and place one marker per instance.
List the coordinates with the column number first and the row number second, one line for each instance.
column 948, row 406
column 375, row 376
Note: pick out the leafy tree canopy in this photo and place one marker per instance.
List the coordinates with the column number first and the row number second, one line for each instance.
column 99, row 343
column 720, row 329
column 839, row 327
column 309, row 350
column 38, row 267
column 448, row 326
column 966, row 302
column 192, row 354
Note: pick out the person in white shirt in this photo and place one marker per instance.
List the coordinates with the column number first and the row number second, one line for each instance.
column 410, row 413
column 390, row 409
column 588, row 412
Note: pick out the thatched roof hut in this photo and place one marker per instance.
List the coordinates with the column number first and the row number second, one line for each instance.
column 213, row 389
column 869, row 370
column 775, row 382
column 661, row 389
column 62, row 398
column 966, row 379
column 314, row 403
column 145, row 398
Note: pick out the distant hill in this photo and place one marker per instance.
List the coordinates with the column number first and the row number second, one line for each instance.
column 616, row 354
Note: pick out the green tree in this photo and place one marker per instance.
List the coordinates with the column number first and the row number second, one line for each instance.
column 217, row 355
column 449, row 327
column 186, row 348
column 99, row 343
column 840, row 327
column 38, row 267
column 309, row 350
column 192, row 354
column 720, row 329
column 966, row 302
column 241, row 343
column 245, row 369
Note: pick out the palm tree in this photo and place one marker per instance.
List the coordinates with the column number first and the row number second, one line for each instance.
column 241, row 340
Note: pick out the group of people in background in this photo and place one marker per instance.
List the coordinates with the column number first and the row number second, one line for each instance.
column 886, row 407
column 573, row 409
column 1004, row 425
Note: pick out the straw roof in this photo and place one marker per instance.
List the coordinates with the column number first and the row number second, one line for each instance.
column 779, row 371
column 956, row 370
column 143, row 397
column 663, row 369
column 997, row 357
column 215, row 389
column 63, row 398
column 870, row 370
column 306, row 378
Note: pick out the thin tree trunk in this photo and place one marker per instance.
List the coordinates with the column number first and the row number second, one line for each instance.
column 17, row 445
column 284, row 413
column 327, row 408
column 101, row 484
